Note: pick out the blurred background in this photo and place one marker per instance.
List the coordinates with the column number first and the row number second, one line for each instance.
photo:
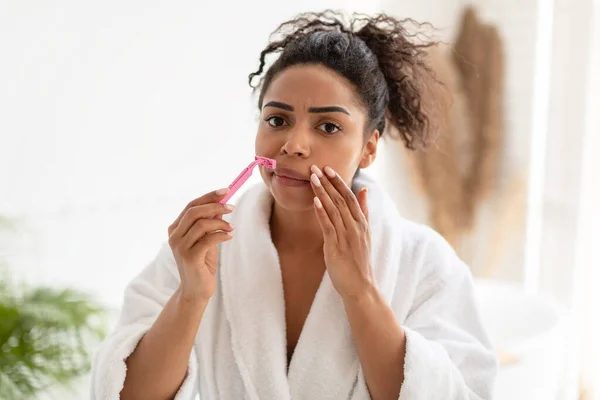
column 115, row 114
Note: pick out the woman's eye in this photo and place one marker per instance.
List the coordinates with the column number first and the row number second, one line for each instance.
column 275, row 121
column 328, row 127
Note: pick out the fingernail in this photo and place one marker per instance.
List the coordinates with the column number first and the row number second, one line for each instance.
column 221, row 192
column 330, row 173
column 230, row 207
column 315, row 180
column 316, row 170
column 318, row 203
column 231, row 226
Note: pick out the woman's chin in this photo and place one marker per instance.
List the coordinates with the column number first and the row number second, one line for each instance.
column 292, row 197
column 299, row 202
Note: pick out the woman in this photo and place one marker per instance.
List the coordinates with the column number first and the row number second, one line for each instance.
column 314, row 287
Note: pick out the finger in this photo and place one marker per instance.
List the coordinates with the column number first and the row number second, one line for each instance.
column 205, row 211
column 329, row 232
column 342, row 188
column 202, row 227
column 208, row 240
column 211, row 197
column 362, row 199
column 332, row 210
column 336, row 198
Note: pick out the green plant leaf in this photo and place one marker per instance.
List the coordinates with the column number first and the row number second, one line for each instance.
column 45, row 338
column 10, row 390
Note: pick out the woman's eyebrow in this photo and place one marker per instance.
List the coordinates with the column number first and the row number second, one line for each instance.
column 328, row 109
column 278, row 104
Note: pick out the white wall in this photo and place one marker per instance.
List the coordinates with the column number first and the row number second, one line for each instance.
column 571, row 82
column 441, row 14
column 587, row 257
column 115, row 115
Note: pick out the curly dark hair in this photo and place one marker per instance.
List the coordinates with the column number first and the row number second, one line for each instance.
column 384, row 61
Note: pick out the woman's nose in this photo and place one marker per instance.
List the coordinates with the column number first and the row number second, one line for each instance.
column 297, row 143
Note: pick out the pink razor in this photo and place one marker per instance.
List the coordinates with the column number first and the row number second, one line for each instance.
column 245, row 174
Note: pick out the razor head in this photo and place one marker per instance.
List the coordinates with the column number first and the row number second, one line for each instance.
column 265, row 162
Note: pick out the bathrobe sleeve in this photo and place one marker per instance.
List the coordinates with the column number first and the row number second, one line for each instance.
column 448, row 353
column 144, row 299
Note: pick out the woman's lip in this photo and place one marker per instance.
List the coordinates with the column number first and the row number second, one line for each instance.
column 289, row 177
column 290, row 174
column 287, row 181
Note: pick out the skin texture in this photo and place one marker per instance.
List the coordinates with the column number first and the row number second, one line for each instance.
column 300, row 139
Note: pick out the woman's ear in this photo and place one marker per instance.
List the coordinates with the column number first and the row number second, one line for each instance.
column 370, row 150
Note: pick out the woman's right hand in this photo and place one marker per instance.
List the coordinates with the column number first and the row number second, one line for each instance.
column 193, row 238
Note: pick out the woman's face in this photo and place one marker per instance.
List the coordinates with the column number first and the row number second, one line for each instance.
column 311, row 116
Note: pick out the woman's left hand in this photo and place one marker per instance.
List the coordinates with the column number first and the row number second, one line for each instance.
column 344, row 220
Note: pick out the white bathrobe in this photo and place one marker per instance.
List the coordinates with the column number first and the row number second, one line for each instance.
column 240, row 350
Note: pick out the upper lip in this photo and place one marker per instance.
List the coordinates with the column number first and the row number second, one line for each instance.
column 290, row 173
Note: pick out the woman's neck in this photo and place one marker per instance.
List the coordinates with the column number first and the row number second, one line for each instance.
column 295, row 230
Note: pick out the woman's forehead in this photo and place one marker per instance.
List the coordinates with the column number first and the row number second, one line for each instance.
column 311, row 86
